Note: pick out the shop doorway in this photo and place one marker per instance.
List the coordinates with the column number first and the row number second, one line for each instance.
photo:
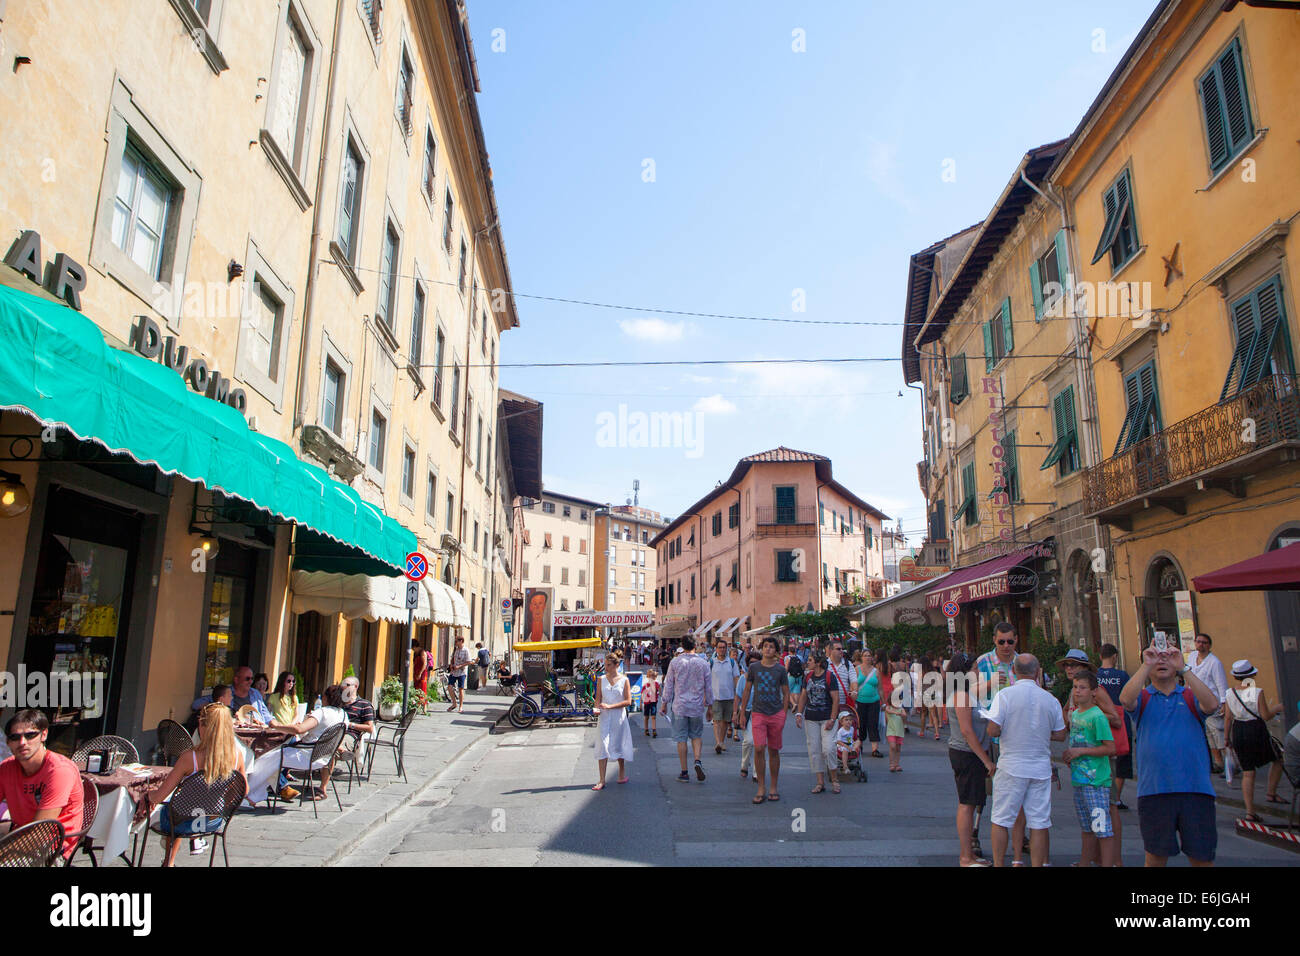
column 311, row 654
column 362, row 636
column 80, row 613
column 230, row 614
column 1156, row 608
column 1284, row 627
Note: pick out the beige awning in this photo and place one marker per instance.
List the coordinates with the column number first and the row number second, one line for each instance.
column 356, row 596
column 708, row 626
column 736, row 625
column 727, row 626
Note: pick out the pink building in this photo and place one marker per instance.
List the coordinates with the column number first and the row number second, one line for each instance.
column 779, row 532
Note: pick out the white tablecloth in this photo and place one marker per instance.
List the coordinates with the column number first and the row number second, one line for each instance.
column 111, row 830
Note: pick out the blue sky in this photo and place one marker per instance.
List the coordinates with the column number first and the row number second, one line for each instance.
column 774, row 171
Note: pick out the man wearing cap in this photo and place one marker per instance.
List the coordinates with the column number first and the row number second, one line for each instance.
column 1209, row 669
column 1175, row 795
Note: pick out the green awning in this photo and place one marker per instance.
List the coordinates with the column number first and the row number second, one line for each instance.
column 55, row 365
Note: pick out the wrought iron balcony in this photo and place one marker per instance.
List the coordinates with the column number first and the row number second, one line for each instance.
column 1214, row 448
column 768, row 515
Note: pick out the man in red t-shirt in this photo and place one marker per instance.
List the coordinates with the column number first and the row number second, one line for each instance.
column 37, row 783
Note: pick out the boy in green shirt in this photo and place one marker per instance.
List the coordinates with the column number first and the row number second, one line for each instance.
column 1091, row 744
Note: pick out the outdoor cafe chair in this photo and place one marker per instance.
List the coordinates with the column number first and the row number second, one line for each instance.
column 174, row 740
column 106, row 742
column 323, row 755
column 89, row 807
column 397, row 743
column 34, row 845
column 194, row 797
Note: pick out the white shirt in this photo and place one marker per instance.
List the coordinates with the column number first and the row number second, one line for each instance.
column 1210, row 673
column 1240, row 699
column 847, row 678
column 326, row 717
column 1028, row 716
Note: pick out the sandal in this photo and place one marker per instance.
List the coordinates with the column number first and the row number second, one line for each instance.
column 744, row 774
column 759, row 798
column 599, row 786
column 1274, row 798
column 819, row 789
column 1252, row 818
column 773, row 797
column 835, row 788
column 1017, row 862
column 976, row 863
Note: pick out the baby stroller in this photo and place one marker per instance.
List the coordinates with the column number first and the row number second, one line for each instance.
column 856, row 770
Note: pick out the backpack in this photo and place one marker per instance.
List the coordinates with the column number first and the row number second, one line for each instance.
column 795, row 668
column 1189, row 698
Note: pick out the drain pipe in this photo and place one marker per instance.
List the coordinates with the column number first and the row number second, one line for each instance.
column 309, row 292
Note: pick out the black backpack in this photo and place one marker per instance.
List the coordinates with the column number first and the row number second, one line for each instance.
column 795, row 667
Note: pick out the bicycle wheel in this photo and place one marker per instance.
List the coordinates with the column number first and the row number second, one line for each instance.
column 522, row 713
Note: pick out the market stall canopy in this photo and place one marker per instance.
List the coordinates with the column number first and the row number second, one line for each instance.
column 1271, row 571
column 708, row 626
column 526, row 647
column 357, row 596
column 735, row 626
column 727, row 625
column 56, row 366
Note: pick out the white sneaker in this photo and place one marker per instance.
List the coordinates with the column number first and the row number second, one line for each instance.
column 198, row 847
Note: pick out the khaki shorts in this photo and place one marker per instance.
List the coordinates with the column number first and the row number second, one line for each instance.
column 723, row 710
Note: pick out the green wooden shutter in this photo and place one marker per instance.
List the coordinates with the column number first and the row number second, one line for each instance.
column 1110, row 203
column 1243, row 321
column 1062, row 263
column 989, row 360
column 1010, row 475
column 1150, row 414
column 1133, row 400
column 1268, row 314
column 1008, row 337
column 1036, row 290
column 1211, row 89
column 1236, row 105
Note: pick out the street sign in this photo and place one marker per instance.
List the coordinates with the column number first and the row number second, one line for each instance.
column 951, row 608
column 952, row 625
column 507, row 627
column 417, row 566
column 412, row 595
column 506, row 604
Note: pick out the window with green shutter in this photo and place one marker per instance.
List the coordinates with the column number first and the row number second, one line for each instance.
column 785, row 566
column 959, row 388
column 870, row 538
column 968, row 509
column 989, row 359
column 1263, row 347
column 1045, row 279
column 1064, row 453
column 1119, row 235
column 1009, row 481
column 1225, row 105
column 999, row 338
column 1142, row 419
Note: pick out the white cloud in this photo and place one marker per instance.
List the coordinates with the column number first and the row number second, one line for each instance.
column 653, row 330
column 714, row 405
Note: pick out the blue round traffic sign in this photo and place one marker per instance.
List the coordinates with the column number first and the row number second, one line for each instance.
column 417, row 566
column 951, row 608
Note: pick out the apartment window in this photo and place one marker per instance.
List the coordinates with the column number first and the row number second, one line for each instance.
column 998, row 338
column 430, row 164
column 641, row 557
column 733, row 517
column 492, row 360
column 405, row 92
column 582, row 577
column 350, row 201
column 871, row 537
column 717, row 579
column 460, row 281
column 717, row 524
column 1263, row 347
column 613, row 554
column 1064, row 453
column 1008, row 482
column 439, row 350
column 264, row 330
column 408, row 472
column 482, row 345
column 546, row 542
column 451, row 515
column 417, row 326
column 568, row 512
column 564, row 575
column 431, row 497
column 1225, row 106
column 785, row 568
column 613, row 576
column 478, row 447
column 140, row 211
column 733, row 582
column 378, row 438
column 548, row 507
column 582, row 545
column 645, row 537
column 524, row 569
column 1142, row 420
column 464, row 522
column 564, row 543
column 613, row 599
column 1119, row 235
column 373, row 10
column 332, row 398
column 388, row 276
column 1045, row 283
column 546, row 574
column 968, row 509
column 455, row 398
column 692, row 587
column 958, row 379
column 448, row 212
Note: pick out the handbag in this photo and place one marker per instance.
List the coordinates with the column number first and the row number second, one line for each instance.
column 1273, row 742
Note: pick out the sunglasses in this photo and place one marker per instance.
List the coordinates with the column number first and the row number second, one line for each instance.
column 23, row 735
column 1010, row 642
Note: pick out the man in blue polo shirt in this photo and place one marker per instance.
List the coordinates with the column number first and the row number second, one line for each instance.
column 1175, row 796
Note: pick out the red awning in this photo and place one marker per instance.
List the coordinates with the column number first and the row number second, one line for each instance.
column 988, row 579
column 1271, row 571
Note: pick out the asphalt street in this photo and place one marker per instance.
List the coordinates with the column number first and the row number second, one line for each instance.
column 523, row 797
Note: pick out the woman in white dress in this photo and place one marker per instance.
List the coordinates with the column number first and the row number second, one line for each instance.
column 613, row 732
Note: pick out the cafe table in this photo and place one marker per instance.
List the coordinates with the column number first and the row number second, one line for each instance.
column 119, row 792
column 261, row 759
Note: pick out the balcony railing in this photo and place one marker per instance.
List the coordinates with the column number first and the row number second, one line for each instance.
column 785, row 514
column 1213, row 446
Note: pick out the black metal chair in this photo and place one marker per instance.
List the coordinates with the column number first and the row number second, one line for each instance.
column 89, row 807
column 356, row 765
column 106, row 742
column 174, row 740
column 322, row 755
column 34, row 845
column 195, row 797
column 397, row 744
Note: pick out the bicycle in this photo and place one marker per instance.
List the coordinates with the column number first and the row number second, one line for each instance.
column 440, row 675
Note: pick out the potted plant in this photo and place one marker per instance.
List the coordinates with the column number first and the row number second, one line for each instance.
column 390, row 698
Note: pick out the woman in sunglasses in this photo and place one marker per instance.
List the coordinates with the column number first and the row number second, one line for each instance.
column 37, row 783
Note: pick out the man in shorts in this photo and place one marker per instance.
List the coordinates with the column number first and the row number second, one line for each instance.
column 687, row 695
column 767, row 691
column 459, row 667
column 1175, row 795
column 723, row 673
